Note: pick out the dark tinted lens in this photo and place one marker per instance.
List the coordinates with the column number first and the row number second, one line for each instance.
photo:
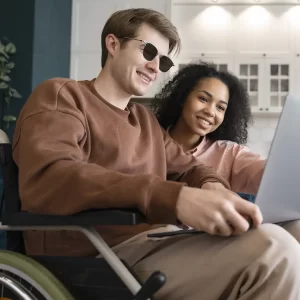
column 165, row 63
column 149, row 52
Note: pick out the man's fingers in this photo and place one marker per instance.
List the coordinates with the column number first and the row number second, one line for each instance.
column 221, row 225
column 224, row 229
column 237, row 221
column 219, row 228
column 249, row 209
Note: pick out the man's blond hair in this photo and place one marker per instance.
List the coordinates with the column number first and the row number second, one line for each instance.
column 126, row 23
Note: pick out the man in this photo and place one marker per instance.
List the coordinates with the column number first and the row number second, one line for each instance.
column 82, row 145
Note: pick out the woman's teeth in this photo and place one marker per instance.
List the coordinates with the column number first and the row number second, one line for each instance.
column 204, row 121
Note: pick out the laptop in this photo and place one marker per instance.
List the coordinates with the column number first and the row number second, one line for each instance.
column 278, row 196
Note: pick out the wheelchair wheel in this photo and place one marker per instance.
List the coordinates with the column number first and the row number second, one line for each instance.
column 23, row 278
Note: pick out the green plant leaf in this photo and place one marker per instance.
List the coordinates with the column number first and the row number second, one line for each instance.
column 3, row 52
column 10, row 65
column 10, row 48
column 6, row 66
column 5, row 77
column 9, row 118
column 14, row 93
column 3, row 85
column 3, row 59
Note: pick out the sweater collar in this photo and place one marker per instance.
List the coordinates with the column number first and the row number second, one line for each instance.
column 193, row 150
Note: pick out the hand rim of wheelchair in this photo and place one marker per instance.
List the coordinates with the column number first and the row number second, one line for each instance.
column 32, row 273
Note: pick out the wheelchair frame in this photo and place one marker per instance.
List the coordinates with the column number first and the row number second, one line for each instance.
column 15, row 220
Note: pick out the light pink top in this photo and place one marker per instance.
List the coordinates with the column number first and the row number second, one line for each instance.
column 241, row 167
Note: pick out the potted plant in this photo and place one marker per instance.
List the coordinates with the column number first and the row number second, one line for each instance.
column 7, row 92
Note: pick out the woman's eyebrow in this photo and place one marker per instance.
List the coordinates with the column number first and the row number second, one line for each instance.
column 210, row 95
column 205, row 92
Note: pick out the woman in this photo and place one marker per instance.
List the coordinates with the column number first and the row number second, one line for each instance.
column 208, row 112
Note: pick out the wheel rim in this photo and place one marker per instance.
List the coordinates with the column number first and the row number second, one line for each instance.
column 31, row 285
column 16, row 287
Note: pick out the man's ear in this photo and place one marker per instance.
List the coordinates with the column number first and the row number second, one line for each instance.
column 112, row 44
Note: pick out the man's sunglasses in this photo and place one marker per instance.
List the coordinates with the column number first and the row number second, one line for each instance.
column 150, row 52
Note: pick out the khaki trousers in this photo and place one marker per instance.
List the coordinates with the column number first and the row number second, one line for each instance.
column 261, row 264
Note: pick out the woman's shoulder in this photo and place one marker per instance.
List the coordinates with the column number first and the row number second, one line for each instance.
column 225, row 145
column 222, row 143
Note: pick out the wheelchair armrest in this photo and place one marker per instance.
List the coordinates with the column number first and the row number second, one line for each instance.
column 91, row 217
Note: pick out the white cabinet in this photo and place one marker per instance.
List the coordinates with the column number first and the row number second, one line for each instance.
column 221, row 62
column 258, row 43
column 297, row 75
column 204, row 27
column 262, row 29
column 279, row 82
column 250, row 72
column 88, row 19
column 267, row 80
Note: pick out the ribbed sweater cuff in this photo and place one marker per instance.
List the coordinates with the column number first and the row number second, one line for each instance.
column 162, row 201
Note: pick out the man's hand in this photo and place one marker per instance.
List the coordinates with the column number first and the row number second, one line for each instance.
column 218, row 211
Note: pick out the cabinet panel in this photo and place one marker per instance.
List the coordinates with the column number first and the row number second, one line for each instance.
column 297, row 39
column 85, row 65
column 205, row 28
column 250, row 72
column 158, row 5
column 294, row 17
column 268, row 82
column 262, row 29
column 296, row 82
column 88, row 19
column 224, row 63
column 278, row 78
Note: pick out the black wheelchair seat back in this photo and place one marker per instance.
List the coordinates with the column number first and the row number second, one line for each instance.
column 10, row 202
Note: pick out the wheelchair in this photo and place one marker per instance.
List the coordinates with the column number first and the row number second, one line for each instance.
column 64, row 278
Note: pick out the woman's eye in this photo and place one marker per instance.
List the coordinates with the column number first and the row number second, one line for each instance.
column 203, row 99
column 221, row 108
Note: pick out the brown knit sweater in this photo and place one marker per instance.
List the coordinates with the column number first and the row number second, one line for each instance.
column 75, row 151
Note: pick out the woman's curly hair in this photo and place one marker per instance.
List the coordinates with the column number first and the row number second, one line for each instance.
column 168, row 103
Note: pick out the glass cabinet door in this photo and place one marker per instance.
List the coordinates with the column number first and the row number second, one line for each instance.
column 249, row 74
column 278, row 84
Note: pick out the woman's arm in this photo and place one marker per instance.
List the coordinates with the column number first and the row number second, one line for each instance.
column 247, row 170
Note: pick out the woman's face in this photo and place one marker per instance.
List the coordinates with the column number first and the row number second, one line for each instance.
column 204, row 110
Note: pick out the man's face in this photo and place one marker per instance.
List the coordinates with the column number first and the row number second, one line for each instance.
column 130, row 69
